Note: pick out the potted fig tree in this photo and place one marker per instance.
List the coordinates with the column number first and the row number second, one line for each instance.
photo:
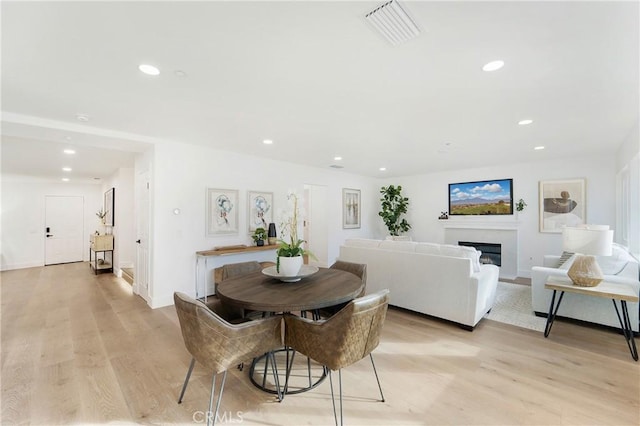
column 393, row 206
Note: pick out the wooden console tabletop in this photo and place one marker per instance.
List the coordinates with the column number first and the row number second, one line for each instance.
column 235, row 250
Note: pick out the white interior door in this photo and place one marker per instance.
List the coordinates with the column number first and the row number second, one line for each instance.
column 64, row 225
column 316, row 224
column 141, row 275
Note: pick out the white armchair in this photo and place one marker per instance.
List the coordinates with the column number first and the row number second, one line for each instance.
column 621, row 267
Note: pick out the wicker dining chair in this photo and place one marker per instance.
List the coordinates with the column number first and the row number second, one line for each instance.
column 357, row 269
column 217, row 344
column 232, row 270
column 345, row 338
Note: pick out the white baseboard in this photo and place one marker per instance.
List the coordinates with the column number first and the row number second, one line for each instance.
column 126, row 265
column 161, row 302
column 21, row 266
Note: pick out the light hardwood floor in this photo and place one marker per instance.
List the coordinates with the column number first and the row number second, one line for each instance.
column 79, row 348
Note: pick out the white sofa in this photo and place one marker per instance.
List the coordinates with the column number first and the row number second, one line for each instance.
column 621, row 267
column 441, row 280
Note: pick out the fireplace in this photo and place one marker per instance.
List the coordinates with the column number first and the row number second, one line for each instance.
column 491, row 253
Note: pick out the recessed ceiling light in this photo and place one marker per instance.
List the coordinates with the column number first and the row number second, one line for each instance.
column 337, row 158
column 538, row 148
column 267, row 141
column 69, row 151
column 66, row 169
column 382, row 169
column 149, row 69
column 525, row 122
column 493, row 66
column 82, row 117
column 65, row 179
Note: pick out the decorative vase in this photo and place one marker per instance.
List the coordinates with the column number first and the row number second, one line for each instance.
column 271, row 234
column 289, row 266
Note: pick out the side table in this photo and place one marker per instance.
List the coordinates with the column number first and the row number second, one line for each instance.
column 621, row 292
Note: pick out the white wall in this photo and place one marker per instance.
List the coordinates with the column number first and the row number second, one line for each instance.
column 23, row 217
column 428, row 195
column 181, row 174
column 123, row 231
column 628, row 162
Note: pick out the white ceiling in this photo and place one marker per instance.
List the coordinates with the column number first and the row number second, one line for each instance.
column 318, row 81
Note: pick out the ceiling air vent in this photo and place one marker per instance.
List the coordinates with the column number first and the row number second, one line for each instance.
column 393, row 22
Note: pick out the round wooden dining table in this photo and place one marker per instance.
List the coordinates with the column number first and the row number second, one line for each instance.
column 260, row 292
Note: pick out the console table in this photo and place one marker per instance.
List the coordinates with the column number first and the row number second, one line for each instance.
column 211, row 259
column 622, row 292
column 101, row 244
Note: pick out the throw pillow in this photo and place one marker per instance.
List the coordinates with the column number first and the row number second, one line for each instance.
column 563, row 258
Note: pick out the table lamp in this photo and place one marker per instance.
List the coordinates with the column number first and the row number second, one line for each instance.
column 586, row 242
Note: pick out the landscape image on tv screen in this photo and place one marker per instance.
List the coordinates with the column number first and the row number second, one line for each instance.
column 487, row 197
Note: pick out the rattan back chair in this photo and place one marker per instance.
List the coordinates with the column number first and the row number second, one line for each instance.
column 343, row 339
column 357, row 269
column 217, row 344
column 225, row 272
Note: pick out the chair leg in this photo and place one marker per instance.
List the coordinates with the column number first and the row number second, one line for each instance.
column 333, row 400
column 213, row 416
column 377, row 380
column 186, row 380
column 340, row 385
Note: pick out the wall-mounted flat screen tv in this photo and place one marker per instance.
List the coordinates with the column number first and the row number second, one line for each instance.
column 486, row 197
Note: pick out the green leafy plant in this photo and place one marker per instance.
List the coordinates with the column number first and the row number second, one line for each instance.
column 260, row 234
column 394, row 205
column 520, row 205
column 289, row 226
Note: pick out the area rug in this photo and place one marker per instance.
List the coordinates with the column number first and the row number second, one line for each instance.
column 513, row 306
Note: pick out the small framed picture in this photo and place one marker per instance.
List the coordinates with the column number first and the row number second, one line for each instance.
column 260, row 209
column 562, row 203
column 222, row 212
column 109, row 207
column 350, row 208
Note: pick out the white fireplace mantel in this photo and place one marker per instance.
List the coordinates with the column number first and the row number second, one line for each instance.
column 505, row 234
column 508, row 226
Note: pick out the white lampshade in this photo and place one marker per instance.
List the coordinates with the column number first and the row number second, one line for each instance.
column 595, row 240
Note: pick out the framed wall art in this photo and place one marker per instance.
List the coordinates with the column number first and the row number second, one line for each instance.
column 562, row 203
column 222, row 212
column 350, row 208
column 260, row 209
column 109, row 207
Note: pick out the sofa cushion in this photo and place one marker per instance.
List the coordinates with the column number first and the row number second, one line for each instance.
column 406, row 246
column 428, row 248
column 614, row 264
column 362, row 242
column 464, row 252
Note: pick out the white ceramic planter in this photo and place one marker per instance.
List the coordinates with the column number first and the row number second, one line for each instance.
column 290, row 266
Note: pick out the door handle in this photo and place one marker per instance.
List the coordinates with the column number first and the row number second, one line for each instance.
column 138, row 241
column 49, row 235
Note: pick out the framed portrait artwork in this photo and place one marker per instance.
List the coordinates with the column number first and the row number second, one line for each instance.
column 222, row 212
column 109, row 207
column 260, row 209
column 350, row 208
column 562, row 203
